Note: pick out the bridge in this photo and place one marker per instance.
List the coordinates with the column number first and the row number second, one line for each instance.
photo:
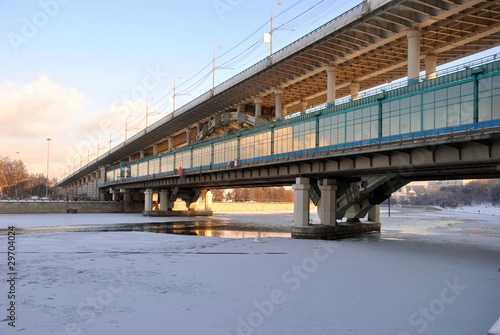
column 280, row 122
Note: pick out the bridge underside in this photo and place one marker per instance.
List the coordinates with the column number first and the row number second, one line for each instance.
column 347, row 185
column 348, row 155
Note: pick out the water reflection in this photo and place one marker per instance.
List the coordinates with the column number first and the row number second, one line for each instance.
column 238, row 234
column 213, row 228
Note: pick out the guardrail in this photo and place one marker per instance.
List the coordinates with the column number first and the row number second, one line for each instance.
column 408, row 137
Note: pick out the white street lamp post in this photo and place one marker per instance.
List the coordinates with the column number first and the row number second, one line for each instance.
column 213, row 67
column 48, row 149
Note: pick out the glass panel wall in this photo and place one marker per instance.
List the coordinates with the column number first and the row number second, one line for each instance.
column 110, row 175
column 154, row 166
column 449, row 106
column 304, row 136
column 167, row 163
column 183, row 160
column 401, row 116
column 489, row 98
column 225, row 152
column 362, row 124
column 134, row 170
column 143, row 169
column 332, row 130
column 283, row 140
column 202, row 156
column 255, row 145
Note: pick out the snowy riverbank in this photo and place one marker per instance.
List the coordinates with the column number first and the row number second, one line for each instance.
column 424, row 274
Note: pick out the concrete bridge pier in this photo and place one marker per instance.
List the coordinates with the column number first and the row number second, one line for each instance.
column 327, row 209
column 167, row 199
column 301, row 202
column 374, row 214
column 208, row 200
column 165, row 204
column 115, row 194
column 332, row 206
column 148, row 200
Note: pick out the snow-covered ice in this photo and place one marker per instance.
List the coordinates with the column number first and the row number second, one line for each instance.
column 427, row 272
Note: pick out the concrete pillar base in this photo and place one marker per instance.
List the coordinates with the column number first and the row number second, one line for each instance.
column 374, row 214
column 177, row 213
column 342, row 230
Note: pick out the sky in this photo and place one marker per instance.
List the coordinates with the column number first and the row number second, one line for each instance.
column 78, row 71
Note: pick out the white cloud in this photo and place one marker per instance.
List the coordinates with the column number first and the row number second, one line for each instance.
column 32, row 113
column 42, row 109
column 38, row 108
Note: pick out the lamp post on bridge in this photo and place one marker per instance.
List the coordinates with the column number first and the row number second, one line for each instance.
column 172, row 100
column 126, row 126
column 48, row 150
column 218, row 67
column 271, row 33
column 110, row 130
column 213, row 67
column 17, row 153
column 147, row 112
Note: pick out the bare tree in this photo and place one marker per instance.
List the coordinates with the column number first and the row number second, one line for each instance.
column 12, row 172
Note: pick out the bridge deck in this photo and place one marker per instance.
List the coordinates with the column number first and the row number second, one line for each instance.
column 451, row 108
column 368, row 44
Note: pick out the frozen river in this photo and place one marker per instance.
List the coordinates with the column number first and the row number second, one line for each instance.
column 427, row 272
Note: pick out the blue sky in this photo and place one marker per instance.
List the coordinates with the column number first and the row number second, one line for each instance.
column 103, row 48
column 75, row 70
column 69, row 65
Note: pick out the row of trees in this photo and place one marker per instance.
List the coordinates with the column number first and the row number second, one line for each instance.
column 258, row 194
column 17, row 183
column 473, row 193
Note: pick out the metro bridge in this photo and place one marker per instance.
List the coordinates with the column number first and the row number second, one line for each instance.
column 347, row 155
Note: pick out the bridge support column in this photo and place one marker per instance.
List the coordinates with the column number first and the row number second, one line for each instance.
column 374, row 214
column 141, row 154
column 301, row 202
column 354, row 90
column 148, row 200
column 127, row 197
column 164, row 200
column 330, row 84
column 303, row 107
column 258, row 106
column 194, row 205
column 170, row 143
column 188, row 136
column 208, row 201
column 413, row 56
column 430, row 66
column 116, row 195
column 328, row 202
column 155, row 149
column 278, row 93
